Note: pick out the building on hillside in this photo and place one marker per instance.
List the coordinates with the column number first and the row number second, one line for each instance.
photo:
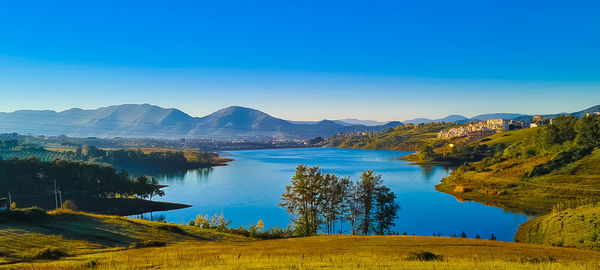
column 480, row 134
column 499, row 124
column 593, row 113
column 537, row 118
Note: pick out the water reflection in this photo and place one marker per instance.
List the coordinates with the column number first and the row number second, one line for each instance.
column 250, row 188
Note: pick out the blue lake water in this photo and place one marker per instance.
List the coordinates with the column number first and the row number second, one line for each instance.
column 249, row 189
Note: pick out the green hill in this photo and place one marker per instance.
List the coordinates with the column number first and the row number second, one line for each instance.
column 579, row 227
column 24, row 233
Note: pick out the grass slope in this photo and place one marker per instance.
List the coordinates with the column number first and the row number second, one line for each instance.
column 501, row 184
column 101, row 242
column 579, row 227
column 336, row 252
column 509, row 137
column 78, row 233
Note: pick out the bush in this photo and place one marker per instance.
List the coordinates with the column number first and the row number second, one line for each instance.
column 172, row 228
column 48, row 253
column 91, row 263
column 70, row 205
column 148, row 243
column 424, row 256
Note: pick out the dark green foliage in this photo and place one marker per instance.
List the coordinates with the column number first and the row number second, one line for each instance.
column 30, row 215
column 560, row 160
column 386, row 210
column 148, row 243
column 27, row 176
column 48, row 253
column 314, row 199
column 424, row 256
column 493, row 237
column 304, row 199
column 588, row 131
column 561, row 130
column 463, row 235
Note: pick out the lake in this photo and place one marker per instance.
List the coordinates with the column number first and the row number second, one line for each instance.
column 249, row 189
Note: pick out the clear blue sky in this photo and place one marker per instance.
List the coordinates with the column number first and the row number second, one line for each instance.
column 303, row 60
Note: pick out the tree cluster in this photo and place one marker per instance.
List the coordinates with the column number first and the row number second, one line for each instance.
column 318, row 201
column 30, row 176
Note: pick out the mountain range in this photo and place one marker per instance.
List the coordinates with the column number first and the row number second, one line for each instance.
column 513, row 116
column 149, row 121
column 145, row 120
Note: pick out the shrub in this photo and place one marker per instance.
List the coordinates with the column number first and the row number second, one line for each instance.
column 424, row 256
column 48, row 253
column 148, row 243
column 91, row 263
column 172, row 228
column 70, row 205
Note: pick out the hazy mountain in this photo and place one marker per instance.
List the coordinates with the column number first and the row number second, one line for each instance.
column 483, row 117
column 146, row 120
column 353, row 121
column 449, row 118
column 577, row 114
column 514, row 116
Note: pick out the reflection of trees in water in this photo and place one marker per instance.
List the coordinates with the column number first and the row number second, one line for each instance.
column 149, row 216
column 166, row 173
column 179, row 176
column 427, row 171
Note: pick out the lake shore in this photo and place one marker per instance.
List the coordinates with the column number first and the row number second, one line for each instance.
column 107, row 206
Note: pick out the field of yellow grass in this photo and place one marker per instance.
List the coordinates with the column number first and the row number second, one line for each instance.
column 334, row 252
column 108, row 242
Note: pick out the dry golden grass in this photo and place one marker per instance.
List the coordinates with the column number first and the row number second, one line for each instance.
column 334, row 252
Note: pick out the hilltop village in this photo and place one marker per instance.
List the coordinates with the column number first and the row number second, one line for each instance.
column 478, row 130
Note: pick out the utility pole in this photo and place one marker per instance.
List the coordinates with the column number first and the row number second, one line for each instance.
column 55, row 195
column 9, row 202
column 60, row 195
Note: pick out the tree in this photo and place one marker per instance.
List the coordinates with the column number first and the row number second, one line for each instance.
column 346, row 188
column 304, row 201
column 386, row 210
column 588, row 131
column 565, row 126
column 426, row 152
column 367, row 188
column 353, row 207
column 332, row 200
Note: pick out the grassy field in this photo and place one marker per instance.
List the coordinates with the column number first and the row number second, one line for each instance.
column 509, row 137
column 501, row 184
column 107, row 242
column 578, row 227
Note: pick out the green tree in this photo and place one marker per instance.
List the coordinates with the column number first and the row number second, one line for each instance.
column 304, row 201
column 367, row 188
column 588, row 131
column 386, row 210
column 426, row 152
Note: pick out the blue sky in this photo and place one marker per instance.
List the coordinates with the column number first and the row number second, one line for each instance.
column 303, row 60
